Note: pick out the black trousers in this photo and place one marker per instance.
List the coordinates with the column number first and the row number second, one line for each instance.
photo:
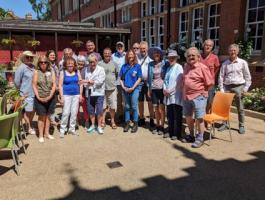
column 174, row 117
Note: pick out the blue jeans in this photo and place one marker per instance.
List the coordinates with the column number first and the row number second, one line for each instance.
column 131, row 104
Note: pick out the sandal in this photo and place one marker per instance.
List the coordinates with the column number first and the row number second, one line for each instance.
column 113, row 126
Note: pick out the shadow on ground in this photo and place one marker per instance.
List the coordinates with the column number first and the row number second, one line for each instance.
column 209, row 179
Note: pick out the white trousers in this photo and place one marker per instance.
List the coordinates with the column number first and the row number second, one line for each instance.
column 70, row 108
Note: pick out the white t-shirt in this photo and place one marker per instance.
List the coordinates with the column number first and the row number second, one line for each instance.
column 144, row 66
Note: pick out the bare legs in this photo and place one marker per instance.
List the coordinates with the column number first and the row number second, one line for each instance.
column 160, row 115
column 44, row 125
column 28, row 117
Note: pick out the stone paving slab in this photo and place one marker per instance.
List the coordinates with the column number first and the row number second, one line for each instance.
column 153, row 167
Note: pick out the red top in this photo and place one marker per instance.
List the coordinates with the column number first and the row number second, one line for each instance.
column 211, row 61
column 196, row 81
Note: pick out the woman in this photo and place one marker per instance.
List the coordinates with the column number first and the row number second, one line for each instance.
column 155, row 80
column 95, row 91
column 44, row 86
column 23, row 80
column 70, row 91
column 53, row 61
column 130, row 78
column 81, row 63
column 173, row 96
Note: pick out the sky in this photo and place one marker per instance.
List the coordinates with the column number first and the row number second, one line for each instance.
column 20, row 7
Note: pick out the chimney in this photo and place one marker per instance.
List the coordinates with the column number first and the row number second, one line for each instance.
column 28, row 16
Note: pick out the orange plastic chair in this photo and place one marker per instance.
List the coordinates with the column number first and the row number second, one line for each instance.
column 220, row 111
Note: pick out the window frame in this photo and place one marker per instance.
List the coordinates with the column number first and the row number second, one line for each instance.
column 193, row 23
column 187, row 27
column 159, row 34
column 216, row 28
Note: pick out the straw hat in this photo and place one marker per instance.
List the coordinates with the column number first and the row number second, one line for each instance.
column 28, row 53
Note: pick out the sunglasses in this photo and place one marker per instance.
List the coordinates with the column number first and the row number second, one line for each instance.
column 136, row 48
column 29, row 57
column 43, row 62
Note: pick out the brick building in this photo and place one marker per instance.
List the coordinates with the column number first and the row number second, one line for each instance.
column 224, row 21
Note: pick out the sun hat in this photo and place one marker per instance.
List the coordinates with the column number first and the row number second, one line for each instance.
column 120, row 43
column 28, row 53
column 172, row 53
column 153, row 50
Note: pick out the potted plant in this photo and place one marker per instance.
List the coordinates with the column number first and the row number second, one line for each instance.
column 34, row 43
column 9, row 42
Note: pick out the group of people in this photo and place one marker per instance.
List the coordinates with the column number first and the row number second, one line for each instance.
column 120, row 83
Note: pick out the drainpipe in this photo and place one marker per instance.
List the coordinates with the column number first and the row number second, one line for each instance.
column 168, row 21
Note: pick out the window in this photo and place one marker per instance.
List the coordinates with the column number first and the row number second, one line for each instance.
column 187, row 2
column 106, row 21
column 160, row 31
column 152, row 7
column 152, row 32
column 66, row 7
column 183, row 26
column 75, row 4
column 197, row 24
column 59, row 16
column 214, row 23
column 126, row 14
column 143, row 31
column 161, row 6
column 143, row 9
column 255, row 22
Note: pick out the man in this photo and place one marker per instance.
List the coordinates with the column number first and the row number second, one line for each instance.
column 90, row 47
column 67, row 53
column 209, row 59
column 110, row 100
column 136, row 48
column 119, row 58
column 197, row 80
column 235, row 77
column 23, row 82
column 143, row 60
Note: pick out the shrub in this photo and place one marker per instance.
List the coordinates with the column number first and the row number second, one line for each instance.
column 255, row 100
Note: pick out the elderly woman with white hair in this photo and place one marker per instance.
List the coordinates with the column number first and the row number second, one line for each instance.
column 81, row 65
column 95, row 91
column 23, row 80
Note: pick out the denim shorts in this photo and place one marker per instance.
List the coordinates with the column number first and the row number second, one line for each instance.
column 29, row 101
column 197, row 105
column 95, row 105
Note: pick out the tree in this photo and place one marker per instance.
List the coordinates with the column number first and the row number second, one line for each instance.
column 42, row 9
column 3, row 13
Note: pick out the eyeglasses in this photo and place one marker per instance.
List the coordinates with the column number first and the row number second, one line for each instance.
column 191, row 55
column 136, row 48
column 43, row 62
column 29, row 57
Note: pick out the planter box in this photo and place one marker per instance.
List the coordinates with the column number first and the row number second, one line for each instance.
column 250, row 113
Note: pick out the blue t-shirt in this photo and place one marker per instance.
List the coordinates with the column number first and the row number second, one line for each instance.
column 132, row 74
column 70, row 85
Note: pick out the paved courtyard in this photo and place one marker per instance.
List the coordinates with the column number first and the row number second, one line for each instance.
column 152, row 167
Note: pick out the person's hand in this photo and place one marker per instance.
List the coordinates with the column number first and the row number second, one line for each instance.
column 61, row 99
column 149, row 93
column 166, row 93
column 130, row 90
column 91, row 82
column 81, row 99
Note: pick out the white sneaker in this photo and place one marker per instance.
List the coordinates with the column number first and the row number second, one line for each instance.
column 100, row 130
column 74, row 133
column 32, row 131
column 61, row 134
column 41, row 139
column 50, row 137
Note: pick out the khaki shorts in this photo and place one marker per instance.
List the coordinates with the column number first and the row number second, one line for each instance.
column 110, row 99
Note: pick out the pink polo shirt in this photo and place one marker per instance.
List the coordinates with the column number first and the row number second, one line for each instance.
column 211, row 61
column 196, row 81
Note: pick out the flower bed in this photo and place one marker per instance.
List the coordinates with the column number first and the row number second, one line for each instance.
column 255, row 100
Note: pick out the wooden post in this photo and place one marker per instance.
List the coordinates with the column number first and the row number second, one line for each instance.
column 56, row 43
column 79, row 10
column 96, row 42
column 115, row 13
column 10, row 46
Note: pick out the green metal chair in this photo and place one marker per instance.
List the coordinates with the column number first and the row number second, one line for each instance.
column 21, row 134
column 3, row 103
column 8, row 130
